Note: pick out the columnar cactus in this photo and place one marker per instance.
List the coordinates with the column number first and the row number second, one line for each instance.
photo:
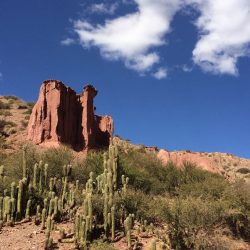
column 24, row 161
column 20, row 196
column 13, row 190
column 113, row 223
column 28, row 207
column 2, row 173
column 153, row 245
column 35, row 170
column 49, row 227
column 40, row 174
column 128, row 227
column 90, row 211
column 1, row 208
column 45, row 174
column 44, row 213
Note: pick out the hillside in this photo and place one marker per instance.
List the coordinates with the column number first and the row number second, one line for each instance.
column 227, row 165
column 15, row 114
column 14, row 117
column 136, row 197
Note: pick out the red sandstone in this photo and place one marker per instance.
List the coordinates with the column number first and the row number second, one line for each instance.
column 62, row 116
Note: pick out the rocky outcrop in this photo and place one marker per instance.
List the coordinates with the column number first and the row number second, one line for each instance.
column 62, row 116
column 180, row 157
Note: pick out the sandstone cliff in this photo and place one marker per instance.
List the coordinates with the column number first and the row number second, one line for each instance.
column 62, row 116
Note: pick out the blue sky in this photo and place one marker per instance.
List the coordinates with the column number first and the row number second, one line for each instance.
column 174, row 74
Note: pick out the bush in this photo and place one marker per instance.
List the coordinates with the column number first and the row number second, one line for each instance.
column 22, row 106
column 141, row 168
column 11, row 97
column 99, row 245
column 4, row 105
column 13, row 163
column 24, row 123
column 243, row 170
column 92, row 163
column 30, row 104
column 189, row 217
column 56, row 158
column 5, row 126
column 5, row 113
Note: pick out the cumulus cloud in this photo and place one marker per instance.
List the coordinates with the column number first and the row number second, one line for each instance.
column 68, row 41
column 224, row 34
column 160, row 74
column 103, row 8
column 186, row 68
column 132, row 37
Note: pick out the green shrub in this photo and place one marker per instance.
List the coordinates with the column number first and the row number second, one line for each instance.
column 11, row 97
column 189, row 217
column 93, row 162
column 243, row 170
column 24, row 123
column 30, row 104
column 27, row 112
column 22, row 106
column 4, row 125
column 4, row 105
column 99, row 245
column 140, row 168
column 56, row 158
column 5, row 113
column 147, row 173
column 13, row 163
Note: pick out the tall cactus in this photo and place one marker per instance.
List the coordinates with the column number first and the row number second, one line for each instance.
column 24, row 161
column 113, row 223
column 35, row 169
column 28, row 207
column 20, row 196
column 2, row 172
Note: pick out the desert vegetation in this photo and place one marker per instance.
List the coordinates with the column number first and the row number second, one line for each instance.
column 122, row 195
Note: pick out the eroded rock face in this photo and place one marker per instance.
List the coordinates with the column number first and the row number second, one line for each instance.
column 62, row 116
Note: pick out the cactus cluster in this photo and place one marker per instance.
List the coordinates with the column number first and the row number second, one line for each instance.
column 59, row 201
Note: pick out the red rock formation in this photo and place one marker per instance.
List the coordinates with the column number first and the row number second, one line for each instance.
column 62, row 116
column 180, row 157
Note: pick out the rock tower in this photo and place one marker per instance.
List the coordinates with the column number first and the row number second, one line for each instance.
column 62, row 116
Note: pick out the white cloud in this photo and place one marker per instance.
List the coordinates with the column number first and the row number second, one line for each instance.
column 68, row 41
column 186, row 68
column 161, row 73
column 103, row 8
column 223, row 28
column 224, row 34
column 132, row 37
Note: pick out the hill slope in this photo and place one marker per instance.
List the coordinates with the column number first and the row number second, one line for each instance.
column 15, row 114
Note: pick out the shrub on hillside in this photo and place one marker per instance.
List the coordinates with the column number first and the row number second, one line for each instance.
column 11, row 97
column 56, row 158
column 148, row 174
column 4, row 105
column 189, row 217
column 24, row 123
column 92, row 163
column 13, row 163
column 141, row 167
column 5, row 113
column 243, row 170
